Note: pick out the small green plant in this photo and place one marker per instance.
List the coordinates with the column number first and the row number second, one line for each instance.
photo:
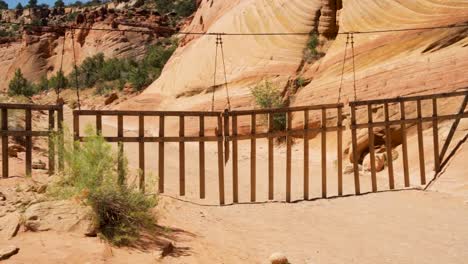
column 311, row 53
column 91, row 175
column 139, row 78
column 266, row 96
column 20, row 86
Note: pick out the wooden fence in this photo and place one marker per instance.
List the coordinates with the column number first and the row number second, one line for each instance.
column 55, row 116
column 369, row 108
column 310, row 122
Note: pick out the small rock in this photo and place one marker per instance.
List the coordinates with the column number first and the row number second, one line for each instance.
column 349, row 169
column 278, row 258
column 9, row 225
column 39, row 165
column 2, row 197
column 166, row 249
column 111, row 98
column 42, row 188
column 14, row 149
column 379, row 162
column 7, row 252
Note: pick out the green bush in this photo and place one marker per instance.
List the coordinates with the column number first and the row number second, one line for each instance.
column 3, row 5
column 91, row 175
column 139, row 78
column 58, row 81
column 20, row 86
column 267, row 96
column 183, row 8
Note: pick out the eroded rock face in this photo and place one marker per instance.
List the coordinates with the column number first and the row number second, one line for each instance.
column 65, row 216
column 328, row 24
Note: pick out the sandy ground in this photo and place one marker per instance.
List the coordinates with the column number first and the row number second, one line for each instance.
column 405, row 226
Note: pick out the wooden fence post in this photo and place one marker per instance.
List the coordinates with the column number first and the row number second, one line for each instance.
column 306, row 155
column 288, row 156
column 28, row 142
column 354, row 146
column 388, row 143
column 253, row 159
column 120, row 154
column 340, row 150
column 235, row 169
column 435, row 133
column 404, row 144
column 5, row 142
column 141, row 152
column 422, row 163
column 324, row 152
column 161, row 155
column 219, row 133
column 371, row 147
column 201, row 153
column 51, row 142
column 271, row 158
column 181, row 156
column 61, row 150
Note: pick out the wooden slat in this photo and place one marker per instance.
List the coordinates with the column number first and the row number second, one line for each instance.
column 76, row 126
column 409, row 98
column 51, row 142
column 5, row 143
column 141, row 152
column 201, row 153
column 146, row 113
column 340, row 152
column 99, row 124
column 28, row 159
column 404, row 145
column 181, row 157
column 60, row 142
column 235, row 169
column 453, row 129
column 226, row 135
column 271, row 159
column 357, row 186
column 120, row 153
column 372, row 149
column 306, row 155
column 422, row 162
column 285, row 109
column 388, row 143
column 288, row 158
column 253, row 158
column 435, row 133
column 414, row 120
column 324, row 154
column 29, row 106
column 219, row 133
column 161, row 156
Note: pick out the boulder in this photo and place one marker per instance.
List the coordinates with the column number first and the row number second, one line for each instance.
column 379, row 162
column 39, row 165
column 62, row 216
column 7, row 252
column 278, row 258
column 9, row 225
column 111, row 98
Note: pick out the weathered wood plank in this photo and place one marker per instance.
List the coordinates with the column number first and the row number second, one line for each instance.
column 253, row 158
column 388, row 144
column 161, row 156
column 306, row 155
column 324, row 154
column 271, row 159
column 422, row 166
column 28, row 159
column 288, row 157
column 357, row 187
column 235, row 169
column 372, row 148
column 120, row 153
column 141, row 152
column 5, row 143
column 201, row 158
column 181, row 157
column 340, row 151
column 219, row 133
column 404, row 145
column 435, row 135
column 51, row 142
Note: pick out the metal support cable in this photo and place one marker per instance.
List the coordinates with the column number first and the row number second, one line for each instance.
column 214, row 74
column 343, row 68
column 354, row 67
column 225, row 75
column 76, row 70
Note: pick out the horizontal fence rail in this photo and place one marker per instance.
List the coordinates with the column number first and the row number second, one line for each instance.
column 55, row 127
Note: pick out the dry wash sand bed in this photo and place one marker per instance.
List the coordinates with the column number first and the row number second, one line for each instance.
column 391, row 227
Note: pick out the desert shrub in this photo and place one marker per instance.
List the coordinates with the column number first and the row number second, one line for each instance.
column 19, row 6
column 91, row 175
column 267, row 95
column 311, row 53
column 182, row 8
column 20, row 86
column 139, row 78
column 43, row 84
column 58, row 81
column 3, row 5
